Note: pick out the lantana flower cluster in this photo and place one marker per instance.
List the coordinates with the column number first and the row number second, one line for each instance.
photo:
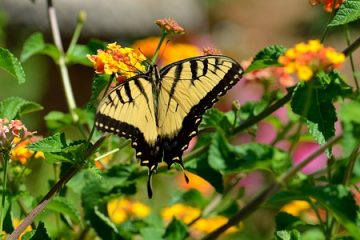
column 328, row 4
column 11, row 133
column 122, row 209
column 123, row 62
column 305, row 59
column 20, row 153
column 169, row 26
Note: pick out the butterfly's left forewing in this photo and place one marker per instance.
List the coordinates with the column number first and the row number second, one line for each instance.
column 188, row 88
column 128, row 111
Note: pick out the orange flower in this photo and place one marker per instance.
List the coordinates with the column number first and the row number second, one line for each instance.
column 195, row 182
column 305, row 59
column 296, row 207
column 122, row 61
column 148, row 46
column 122, row 209
column 328, row 4
column 169, row 26
column 180, row 51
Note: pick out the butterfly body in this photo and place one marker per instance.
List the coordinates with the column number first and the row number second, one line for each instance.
column 161, row 110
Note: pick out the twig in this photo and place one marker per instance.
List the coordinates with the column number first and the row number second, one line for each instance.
column 56, row 188
column 62, row 65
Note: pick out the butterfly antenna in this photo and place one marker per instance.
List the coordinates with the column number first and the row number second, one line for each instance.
column 162, row 52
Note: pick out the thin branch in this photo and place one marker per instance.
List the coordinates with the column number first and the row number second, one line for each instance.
column 55, row 189
column 62, row 65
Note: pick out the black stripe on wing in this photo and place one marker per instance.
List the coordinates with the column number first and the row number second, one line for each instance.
column 174, row 147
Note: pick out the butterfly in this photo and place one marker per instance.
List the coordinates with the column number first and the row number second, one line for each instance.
column 160, row 111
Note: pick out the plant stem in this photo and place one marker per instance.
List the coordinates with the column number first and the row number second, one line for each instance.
column 79, row 25
column 333, row 12
column 6, row 158
column 266, row 112
column 348, row 39
column 352, row 47
column 62, row 64
column 351, row 164
column 55, row 189
column 162, row 38
column 273, row 188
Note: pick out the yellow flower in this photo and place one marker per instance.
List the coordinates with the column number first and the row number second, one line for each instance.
column 296, row 207
column 180, row 211
column 304, row 73
column 121, row 209
column 207, row 225
column 21, row 154
column 306, row 59
column 122, row 61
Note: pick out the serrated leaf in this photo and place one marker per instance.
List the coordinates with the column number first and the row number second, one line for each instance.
column 12, row 65
column 287, row 235
column 192, row 197
column 176, row 230
column 14, row 107
column 316, row 108
column 105, row 219
column 267, row 57
column 349, row 11
column 64, row 206
column 35, row 44
column 54, row 143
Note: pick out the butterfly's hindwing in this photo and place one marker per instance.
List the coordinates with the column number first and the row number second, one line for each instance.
column 128, row 111
column 188, row 89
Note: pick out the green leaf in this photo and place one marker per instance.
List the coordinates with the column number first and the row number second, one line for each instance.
column 35, row 44
column 245, row 157
column 339, row 201
column 267, row 57
column 54, row 143
column 78, row 55
column 176, row 230
column 150, row 233
column 39, row 234
column 99, row 82
column 12, row 65
column 349, row 11
column 201, row 167
column 287, row 235
column 286, row 221
column 14, row 107
column 7, row 224
column 315, row 105
column 192, row 197
column 64, row 206
column 57, row 120
column 105, row 220
column 349, row 115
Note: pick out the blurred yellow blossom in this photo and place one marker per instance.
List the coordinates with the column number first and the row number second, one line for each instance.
column 305, row 59
column 180, row 211
column 180, row 51
column 124, row 62
column 296, row 207
column 122, row 209
column 207, row 225
column 20, row 152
